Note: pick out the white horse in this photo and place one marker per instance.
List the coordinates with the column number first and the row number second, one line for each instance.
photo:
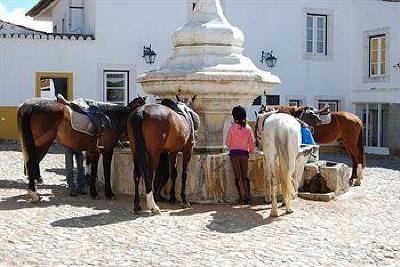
column 280, row 137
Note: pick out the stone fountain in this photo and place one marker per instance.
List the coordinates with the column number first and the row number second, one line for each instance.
column 207, row 61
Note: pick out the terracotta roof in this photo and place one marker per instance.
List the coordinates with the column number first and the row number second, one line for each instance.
column 11, row 28
column 36, row 9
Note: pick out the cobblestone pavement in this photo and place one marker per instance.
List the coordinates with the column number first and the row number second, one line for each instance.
column 362, row 227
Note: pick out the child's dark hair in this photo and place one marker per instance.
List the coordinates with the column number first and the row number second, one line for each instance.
column 239, row 115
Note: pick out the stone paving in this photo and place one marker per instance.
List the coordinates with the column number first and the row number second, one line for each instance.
column 362, row 227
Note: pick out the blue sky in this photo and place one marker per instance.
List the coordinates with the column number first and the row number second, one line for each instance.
column 13, row 4
column 14, row 11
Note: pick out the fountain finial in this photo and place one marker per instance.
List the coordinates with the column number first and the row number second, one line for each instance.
column 208, row 26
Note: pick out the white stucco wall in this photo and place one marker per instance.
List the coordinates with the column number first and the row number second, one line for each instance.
column 374, row 18
column 17, row 76
column 121, row 29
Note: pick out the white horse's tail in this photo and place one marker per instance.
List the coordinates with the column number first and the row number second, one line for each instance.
column 285, row 174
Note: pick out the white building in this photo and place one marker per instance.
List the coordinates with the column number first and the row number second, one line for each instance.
column 339, row 52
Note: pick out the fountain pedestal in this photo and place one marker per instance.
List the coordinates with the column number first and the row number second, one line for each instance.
column 207, row 61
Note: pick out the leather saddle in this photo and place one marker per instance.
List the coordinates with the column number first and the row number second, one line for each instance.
column 325, row 111
column 325, row 115
column 85, row 118
column 179, row 108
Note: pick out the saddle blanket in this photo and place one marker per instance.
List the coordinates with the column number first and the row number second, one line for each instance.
column 325, row 119
column 81, row 123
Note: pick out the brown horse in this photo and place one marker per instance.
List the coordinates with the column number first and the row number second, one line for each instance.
column 349, row 128
column 41, row 121
column 343, row 125
column 154, row 129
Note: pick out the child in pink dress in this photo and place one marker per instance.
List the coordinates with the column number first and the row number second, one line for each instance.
column 240, row 141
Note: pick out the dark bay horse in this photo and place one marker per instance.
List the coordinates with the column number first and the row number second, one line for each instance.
column 41, row 121
column 343, row 125
column 154, row 129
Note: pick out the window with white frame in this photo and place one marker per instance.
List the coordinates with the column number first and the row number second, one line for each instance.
column 333, row 104
column 295, row 102
column 316, row 34
column 377, row 55
column 116, row 84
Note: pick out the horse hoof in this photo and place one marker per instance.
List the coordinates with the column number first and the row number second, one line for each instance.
column 274, row 213
column 137, row 209
column 351, row 181
column 34, row 196
column 288, row 211
column 156, row 211
column 357, row 182
column 186, row 205
column 39, row 180
column 93, row 195
column 172, row 200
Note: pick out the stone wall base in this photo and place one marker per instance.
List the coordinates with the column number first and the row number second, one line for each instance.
column 210, row 177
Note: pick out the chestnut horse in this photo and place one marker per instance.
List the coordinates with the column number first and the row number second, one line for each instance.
column 154, row 129
column 41, row 121
column 343, row 125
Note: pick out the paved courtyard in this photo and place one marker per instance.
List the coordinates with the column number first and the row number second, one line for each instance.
column 362, row 227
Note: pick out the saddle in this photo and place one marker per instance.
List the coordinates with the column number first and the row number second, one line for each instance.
column 325, row 111
column 325, row 115
column 174, row 106
column 85, row 118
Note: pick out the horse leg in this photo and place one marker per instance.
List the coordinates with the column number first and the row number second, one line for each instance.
column 107, row 157
column 162, row 176
column 151, row 204
column 274, row 182
column 33, row 169
column 174, row 174
column 267, row 181
column 186, row 158
column 136, row 176
column 154, row 158
column 94, row 158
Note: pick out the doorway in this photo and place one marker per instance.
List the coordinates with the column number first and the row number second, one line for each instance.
column 375, row 119
column 49, row 84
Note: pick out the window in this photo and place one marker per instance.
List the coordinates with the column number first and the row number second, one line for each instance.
column 55, row 29
column 295, row 102
column 193, row 4
column 272, row 100
column 316, row 34
column 377, row 55
column 333, row 104
column 116, row 87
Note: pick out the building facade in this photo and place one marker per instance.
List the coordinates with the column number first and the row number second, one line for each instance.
column 340, row 53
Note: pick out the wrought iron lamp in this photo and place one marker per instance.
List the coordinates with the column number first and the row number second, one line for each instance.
column 269, row 59
column 149, row 55
column 396, row 66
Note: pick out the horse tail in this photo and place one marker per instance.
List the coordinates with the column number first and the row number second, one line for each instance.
column 31, row 168
column 141, row 155
column 361, row 146
column 285, row 171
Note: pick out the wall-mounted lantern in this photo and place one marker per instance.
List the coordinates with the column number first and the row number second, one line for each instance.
column 149, row 55
column 269, row 59
column 396, row 66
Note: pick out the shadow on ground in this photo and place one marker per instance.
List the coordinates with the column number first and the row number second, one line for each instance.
column 225, row 218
